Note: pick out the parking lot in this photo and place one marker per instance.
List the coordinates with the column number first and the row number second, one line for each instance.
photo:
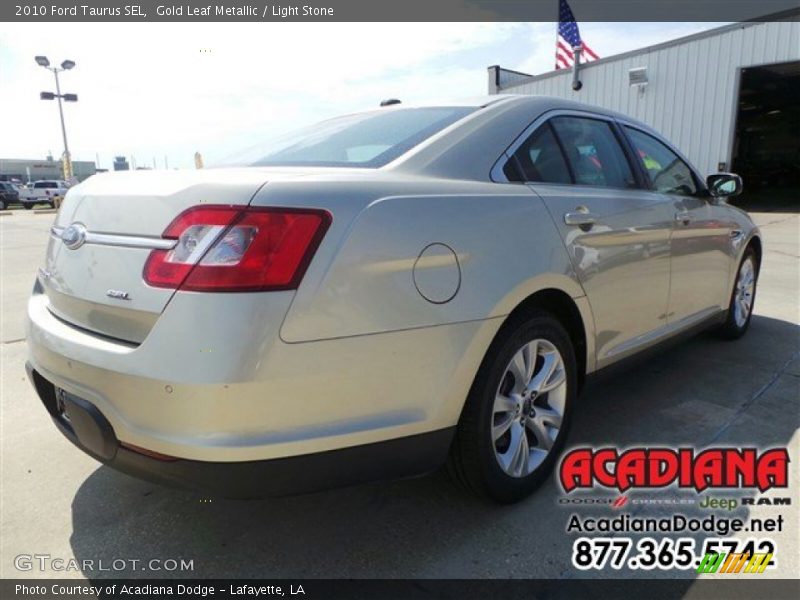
column 60, row 502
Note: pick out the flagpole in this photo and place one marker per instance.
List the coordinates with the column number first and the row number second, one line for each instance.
column 557, row 67
column 576, row 82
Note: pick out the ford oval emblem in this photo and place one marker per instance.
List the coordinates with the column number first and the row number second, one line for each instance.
column 74, row 236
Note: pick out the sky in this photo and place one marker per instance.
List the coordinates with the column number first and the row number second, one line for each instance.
column 159, row 92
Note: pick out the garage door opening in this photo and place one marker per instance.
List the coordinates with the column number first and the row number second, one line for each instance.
column 766, row 150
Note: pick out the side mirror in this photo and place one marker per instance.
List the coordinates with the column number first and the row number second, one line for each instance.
column 724, row 185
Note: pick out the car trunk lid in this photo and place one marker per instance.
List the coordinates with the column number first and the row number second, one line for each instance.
column 96, row 283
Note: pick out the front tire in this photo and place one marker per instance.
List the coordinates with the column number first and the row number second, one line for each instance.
column 517, row 415
column 740, row 309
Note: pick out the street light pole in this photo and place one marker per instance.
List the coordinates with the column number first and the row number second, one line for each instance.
column 43, row 61
column 67, row 157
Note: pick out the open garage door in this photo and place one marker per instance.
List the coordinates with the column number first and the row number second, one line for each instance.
column 766, row 150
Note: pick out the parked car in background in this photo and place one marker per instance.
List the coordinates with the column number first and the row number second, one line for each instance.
column 46, row 191
column 9, row 194
column 25, row 191
column 379, row 294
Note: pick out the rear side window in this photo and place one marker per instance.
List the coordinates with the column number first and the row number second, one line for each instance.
column 593, row 152
column 539, row 159
column 667, row 172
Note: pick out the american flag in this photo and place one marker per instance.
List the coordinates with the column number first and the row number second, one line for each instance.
column 568, row 38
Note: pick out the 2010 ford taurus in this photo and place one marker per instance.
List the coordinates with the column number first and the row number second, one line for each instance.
column 379, row 295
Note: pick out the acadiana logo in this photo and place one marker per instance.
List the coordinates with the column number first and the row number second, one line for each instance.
column 652, row 468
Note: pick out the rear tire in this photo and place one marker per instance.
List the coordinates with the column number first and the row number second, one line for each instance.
column 518, row 411
column 28, row 206
column 743, row 297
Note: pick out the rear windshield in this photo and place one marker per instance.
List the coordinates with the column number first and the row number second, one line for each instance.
column 369, row 140
column 45, row 184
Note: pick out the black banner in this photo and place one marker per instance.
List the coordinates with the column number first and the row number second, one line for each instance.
column 406, row 10
column 401, row 589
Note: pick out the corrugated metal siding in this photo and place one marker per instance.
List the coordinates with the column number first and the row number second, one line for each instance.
column 692, row 91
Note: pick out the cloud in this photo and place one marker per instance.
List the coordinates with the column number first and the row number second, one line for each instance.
column 157, row 89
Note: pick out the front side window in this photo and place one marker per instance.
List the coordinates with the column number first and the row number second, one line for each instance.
column 538, row 159
column 593, row 152
column 667, row 172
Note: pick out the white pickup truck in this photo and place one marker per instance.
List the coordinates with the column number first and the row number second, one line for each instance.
column 46, row 191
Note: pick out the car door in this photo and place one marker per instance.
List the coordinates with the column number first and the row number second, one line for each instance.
column 616, row 233
column 701, row 237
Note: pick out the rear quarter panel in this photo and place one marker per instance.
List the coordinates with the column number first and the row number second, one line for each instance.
column 362, row 280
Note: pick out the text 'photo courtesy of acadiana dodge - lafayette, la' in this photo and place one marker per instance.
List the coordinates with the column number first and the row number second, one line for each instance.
column 482, row 308
column 154, row 590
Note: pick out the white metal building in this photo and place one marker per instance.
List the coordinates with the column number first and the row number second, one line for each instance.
column 729, row 97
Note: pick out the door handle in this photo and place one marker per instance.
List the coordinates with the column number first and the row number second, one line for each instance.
column 580, row 218
column 682, row 217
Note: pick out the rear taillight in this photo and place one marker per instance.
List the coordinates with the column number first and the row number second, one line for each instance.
column 235, row 249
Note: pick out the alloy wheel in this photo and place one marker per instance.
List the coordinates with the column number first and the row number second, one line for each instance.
column 745, row 286
column 529, row 408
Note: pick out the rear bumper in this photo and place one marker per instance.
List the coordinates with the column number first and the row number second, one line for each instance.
column 88, row 429
column 229, row 392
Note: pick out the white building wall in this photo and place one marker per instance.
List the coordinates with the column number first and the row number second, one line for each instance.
column 693, row 84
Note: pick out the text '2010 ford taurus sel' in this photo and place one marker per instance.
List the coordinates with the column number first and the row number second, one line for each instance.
column 378, row 295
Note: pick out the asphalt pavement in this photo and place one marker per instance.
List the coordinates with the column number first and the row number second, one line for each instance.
column 56, row 501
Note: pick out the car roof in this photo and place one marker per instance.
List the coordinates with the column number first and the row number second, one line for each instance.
column 468, row 102
column 535, row 102
column 470, row 147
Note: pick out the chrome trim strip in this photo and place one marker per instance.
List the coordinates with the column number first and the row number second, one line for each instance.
column 644, row 341
column 127, row 241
